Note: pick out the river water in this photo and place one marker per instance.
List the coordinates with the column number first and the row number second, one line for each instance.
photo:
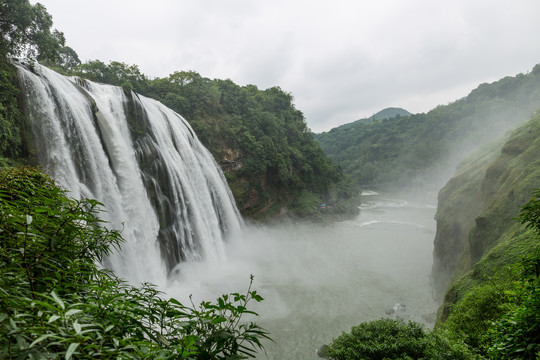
column 319, row 280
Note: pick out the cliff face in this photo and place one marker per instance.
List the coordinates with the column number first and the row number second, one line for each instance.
column 479, row 204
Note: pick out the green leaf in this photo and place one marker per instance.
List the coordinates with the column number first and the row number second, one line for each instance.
column 58, row 300
column 218, row 320
column 77, row 327
column 72, row 312
column 40, row 339
column 223, row 335
column 71, row 349
column 53, row 318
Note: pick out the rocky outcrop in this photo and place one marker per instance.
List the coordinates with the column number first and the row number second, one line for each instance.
column 253, row 197
column 231, row 160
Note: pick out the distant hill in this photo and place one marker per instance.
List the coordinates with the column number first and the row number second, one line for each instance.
column 423, row 149
column 381, row 115
column 390, row 113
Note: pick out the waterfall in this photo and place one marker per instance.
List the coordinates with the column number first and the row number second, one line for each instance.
column 158, row 183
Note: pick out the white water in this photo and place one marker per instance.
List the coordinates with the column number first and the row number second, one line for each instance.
column 160, row 187
column 319, row 280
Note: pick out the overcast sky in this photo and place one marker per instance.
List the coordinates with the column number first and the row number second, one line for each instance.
column 342, row 60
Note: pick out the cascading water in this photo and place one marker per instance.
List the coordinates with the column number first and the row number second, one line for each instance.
column 141, row 160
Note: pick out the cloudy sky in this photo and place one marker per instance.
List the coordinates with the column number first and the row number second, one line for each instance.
column 342, row 60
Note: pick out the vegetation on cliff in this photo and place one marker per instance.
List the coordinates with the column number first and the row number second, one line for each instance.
column 493, row 259
column 56, row 301
column 408, row 151
column 477, row 206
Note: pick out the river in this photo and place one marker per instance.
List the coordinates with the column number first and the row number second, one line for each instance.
column 319, row 280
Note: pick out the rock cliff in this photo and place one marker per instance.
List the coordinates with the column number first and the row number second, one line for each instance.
column 480, row 202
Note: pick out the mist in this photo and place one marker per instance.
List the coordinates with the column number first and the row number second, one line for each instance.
column 319, row 280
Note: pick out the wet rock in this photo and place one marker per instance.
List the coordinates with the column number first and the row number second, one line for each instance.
column 322, row 352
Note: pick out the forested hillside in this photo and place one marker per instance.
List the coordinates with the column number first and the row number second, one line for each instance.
column 413, row 150
column 257, row 136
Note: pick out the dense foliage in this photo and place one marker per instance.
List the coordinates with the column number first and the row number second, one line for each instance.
column 380, row 339
column 56, row 301
column 389, row 339
column 10, row 116
column 408, row 150
column 517, row 334
column 25, row 30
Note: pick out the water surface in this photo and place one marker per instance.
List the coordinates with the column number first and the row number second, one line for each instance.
column 319, row 280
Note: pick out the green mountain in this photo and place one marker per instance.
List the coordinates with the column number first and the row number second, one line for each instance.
column 423, row 149
column 381, row 115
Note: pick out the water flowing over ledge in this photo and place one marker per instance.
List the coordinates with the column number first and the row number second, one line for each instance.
column 141, row 160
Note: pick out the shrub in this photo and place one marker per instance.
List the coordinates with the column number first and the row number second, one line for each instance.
column 57, row 302
column 473, row 316
column 380, row 339
column 517, row 333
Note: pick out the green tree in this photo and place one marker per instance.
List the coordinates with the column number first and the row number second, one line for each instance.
column 26, row 31
column 69, row 60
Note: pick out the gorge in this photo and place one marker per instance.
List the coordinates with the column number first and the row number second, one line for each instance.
column 165, row 192
column 163, row 189
column 339, row 230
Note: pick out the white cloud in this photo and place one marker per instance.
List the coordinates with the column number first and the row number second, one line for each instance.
column 341, row 60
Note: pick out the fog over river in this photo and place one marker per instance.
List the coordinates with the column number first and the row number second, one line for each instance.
column 319, row 280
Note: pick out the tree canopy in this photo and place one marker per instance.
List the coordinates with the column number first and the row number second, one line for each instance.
column 26, row 30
